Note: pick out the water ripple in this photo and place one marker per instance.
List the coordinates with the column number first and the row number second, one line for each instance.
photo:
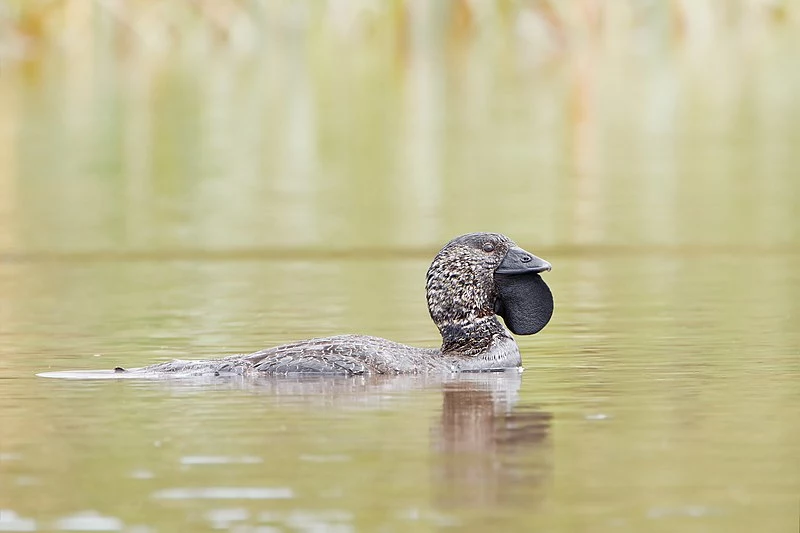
column 225, row 493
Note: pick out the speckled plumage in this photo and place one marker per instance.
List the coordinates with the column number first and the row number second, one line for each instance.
column 461, row 298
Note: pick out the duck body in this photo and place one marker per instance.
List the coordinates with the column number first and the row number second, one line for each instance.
column 347, row 355
column 474, row 278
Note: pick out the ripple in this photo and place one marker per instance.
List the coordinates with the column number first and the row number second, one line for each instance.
column 224, row 518
column 142, row 474
column 694, row 511
column 219, row 460
column 11, row 521
column 227, row 515
column 325, row 458
column 225, row 493
column 87, row 374
column 89, row 521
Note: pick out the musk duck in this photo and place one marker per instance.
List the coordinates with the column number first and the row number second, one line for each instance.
column 474, row 278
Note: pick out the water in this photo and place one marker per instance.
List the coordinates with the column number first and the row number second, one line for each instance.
column 217, row 203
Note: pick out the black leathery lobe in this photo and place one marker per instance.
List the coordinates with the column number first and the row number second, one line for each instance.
column 524, row 301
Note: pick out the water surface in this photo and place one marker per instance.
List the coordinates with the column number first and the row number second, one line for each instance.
column 209, row 201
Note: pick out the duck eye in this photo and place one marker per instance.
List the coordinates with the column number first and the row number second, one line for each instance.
column 488, row 247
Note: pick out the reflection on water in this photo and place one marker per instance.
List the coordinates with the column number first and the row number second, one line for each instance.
column 191, row 180
column 486, row 449
column 490, row 453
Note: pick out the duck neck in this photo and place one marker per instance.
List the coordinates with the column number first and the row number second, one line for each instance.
column 472, row 337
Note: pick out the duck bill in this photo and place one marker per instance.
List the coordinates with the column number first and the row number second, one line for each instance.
column 518, row 261
column 523, row 299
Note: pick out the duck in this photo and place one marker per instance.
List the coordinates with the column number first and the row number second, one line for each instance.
column 473, row 279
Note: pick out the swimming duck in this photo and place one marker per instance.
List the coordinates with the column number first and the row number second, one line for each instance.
column 471, row 280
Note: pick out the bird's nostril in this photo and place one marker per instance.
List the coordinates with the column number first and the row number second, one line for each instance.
column 525, row 258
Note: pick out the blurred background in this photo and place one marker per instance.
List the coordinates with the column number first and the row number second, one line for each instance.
column 198, row 178
column 233, row 125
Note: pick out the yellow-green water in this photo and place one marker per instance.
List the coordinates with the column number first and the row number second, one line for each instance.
column 202, row 204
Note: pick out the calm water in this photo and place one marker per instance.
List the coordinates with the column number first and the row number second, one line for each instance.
column 204, row 205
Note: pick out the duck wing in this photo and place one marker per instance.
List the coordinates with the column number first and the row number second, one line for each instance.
column 342, row 354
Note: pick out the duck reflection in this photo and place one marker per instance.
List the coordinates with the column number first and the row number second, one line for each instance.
column 487, row 450
column 487, row 447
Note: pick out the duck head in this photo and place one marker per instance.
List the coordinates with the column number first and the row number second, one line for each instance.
column 480, row 275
